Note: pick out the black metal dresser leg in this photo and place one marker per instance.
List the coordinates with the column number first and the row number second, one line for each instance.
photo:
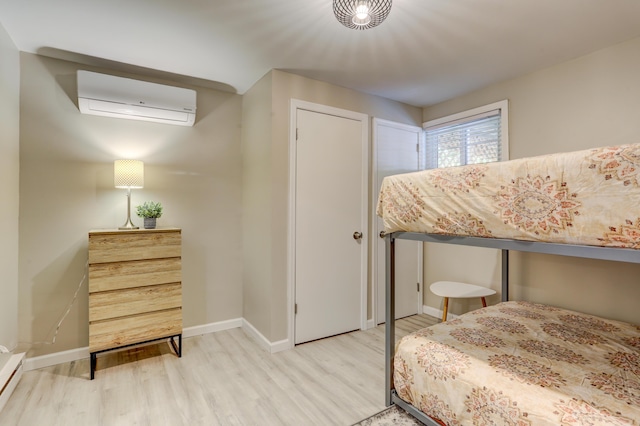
column 93, row 364
column 178, row 347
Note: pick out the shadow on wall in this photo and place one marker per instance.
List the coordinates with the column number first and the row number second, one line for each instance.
column 68, row 82
column 52, row 292
column 597, row 287
column 121, row 68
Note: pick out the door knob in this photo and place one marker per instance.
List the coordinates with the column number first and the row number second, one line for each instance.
column 357, row 235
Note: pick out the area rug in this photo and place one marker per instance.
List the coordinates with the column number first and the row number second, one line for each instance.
column 392, row 416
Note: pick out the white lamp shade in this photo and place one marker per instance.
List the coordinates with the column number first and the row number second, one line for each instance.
column 128, row 174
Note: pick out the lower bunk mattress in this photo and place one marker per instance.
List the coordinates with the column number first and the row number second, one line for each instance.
column 522, row 363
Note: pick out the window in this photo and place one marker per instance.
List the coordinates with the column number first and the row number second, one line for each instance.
column 476, row 136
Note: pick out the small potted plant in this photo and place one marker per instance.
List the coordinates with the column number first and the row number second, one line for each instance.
column 150, row 211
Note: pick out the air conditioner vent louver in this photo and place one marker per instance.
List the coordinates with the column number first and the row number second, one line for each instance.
column 111, row 96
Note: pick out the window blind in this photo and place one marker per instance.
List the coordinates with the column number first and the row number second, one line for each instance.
column 468, row 141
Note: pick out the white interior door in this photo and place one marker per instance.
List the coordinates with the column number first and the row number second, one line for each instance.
column 330, row 206
column 397, row 151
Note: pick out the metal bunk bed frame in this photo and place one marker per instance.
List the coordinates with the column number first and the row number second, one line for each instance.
column 505, row 245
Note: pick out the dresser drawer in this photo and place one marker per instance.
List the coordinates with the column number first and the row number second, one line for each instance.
column 133, row 301
column 119, row 247
column 114, row 333
column 122, row 275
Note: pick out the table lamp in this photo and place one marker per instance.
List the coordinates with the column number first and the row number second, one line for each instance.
column 128, row 174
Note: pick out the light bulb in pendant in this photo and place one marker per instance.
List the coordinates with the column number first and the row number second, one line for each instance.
column 362, row 15
column 362, row 11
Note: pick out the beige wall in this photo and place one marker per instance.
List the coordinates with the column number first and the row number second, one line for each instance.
column 231, row 199
column 256, row 205
column 284, row 87
column 66, row 189
column 230, row 212
column 9, row 186
column 584, row 103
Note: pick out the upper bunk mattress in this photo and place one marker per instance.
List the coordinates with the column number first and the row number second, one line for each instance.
column 589, row 197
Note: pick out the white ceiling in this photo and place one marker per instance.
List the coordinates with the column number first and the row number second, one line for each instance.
column 425, row 52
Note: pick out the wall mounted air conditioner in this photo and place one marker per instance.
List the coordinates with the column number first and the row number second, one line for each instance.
column 111, row 96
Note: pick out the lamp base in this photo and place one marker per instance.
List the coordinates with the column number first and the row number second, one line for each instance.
column 128, row 224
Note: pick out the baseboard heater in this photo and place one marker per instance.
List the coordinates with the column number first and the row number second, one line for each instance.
column 10, row 373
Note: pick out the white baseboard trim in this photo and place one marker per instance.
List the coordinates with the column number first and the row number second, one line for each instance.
column 55, row 358
column 10, row 375
column 436, row 312
column 280, row 345
column 199, row 330
column 82, row 353
column 271, row 347
column 370, row 324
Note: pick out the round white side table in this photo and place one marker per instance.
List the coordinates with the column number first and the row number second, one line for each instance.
column 454, row 289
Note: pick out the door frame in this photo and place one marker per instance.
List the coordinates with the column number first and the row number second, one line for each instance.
column 295, row 105
column 374, row 203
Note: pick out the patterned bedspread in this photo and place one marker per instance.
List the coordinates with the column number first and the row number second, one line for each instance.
column 586, row 197
column 521, row 363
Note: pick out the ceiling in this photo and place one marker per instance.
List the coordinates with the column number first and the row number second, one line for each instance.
column 427, row 51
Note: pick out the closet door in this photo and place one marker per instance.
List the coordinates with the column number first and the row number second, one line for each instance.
column 396, row 150
column 330, row 214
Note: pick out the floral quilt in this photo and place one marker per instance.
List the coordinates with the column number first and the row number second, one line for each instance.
column 586, row 197
column 521, row 363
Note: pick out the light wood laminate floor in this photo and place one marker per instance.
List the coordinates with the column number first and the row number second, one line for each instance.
column 223, row 378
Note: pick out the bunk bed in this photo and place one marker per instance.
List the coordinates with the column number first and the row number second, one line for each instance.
column 518, row 362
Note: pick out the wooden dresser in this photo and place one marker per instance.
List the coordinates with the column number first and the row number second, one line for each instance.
column 135, row 288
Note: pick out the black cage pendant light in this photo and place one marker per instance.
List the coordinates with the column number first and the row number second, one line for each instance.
column 361, row 14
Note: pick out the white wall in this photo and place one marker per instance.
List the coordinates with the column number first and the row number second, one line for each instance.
column 588, row 102
column 9, row 174
column 66, row 189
